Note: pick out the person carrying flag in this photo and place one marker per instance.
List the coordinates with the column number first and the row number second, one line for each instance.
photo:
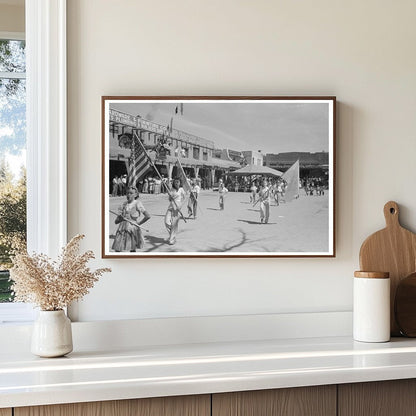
column 129, row 234
column 264, row 198
column 176, row 198
column 275, row 192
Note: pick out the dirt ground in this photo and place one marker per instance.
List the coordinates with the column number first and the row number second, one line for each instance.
column 300, row 226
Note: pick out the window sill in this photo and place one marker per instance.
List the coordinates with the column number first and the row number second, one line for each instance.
column 16, row 313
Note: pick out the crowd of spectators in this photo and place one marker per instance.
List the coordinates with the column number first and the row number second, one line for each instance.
column 314, row 186
column 119, row 185
column 154, row 185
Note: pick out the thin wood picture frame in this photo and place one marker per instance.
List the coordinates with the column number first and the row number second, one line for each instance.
column 218, row 176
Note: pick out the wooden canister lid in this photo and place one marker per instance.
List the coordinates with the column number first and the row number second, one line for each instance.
column 372, row 275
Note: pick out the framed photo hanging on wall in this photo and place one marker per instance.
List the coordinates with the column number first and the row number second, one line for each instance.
column 218, row 177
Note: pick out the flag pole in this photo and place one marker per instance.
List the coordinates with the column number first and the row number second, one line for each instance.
column 158, row 174
column 191, row 194
column 183, row 174
column 131, row 222
column 268, row 193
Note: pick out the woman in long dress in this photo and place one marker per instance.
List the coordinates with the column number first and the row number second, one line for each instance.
column 129, row 235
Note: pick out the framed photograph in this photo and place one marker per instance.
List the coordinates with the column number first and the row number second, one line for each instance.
column 218, row 177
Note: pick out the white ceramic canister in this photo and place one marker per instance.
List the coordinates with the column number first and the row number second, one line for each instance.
column 371, row 310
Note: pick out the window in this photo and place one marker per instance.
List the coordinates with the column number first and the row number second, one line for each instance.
column 12, row 155
column 46, row 135
column 184, row 151
column 196, row 153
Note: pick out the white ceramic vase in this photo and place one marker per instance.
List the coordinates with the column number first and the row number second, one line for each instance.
column 52, row 334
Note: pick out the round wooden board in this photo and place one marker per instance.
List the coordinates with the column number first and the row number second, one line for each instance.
column 405, row 305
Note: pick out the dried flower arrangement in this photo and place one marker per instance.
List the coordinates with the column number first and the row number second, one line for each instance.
column 53, row 285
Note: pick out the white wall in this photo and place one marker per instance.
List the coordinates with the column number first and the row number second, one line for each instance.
column 361, row 51
column 12, row 17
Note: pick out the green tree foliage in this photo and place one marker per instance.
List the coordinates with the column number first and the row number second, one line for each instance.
column 12, row 214
column 6, row 294
column 12, row 59
column 12, row 222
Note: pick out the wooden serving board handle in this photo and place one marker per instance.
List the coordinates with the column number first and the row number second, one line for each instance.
column 393, row 250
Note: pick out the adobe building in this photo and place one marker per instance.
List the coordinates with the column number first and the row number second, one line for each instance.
column 253, row 157
column 197, row 155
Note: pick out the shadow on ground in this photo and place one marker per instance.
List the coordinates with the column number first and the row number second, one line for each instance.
column 226, row 247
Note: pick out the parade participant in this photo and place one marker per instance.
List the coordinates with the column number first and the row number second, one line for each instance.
column 193, row 198
column 275, row 193
column 120, row 186
column 253, row 190
column 284, row 187
column 236, row 186
column 151, row 185
column 164, row 184
column 124, row 184
column 145, row 186
column 129, row 235
column 305, row 186
column 115, row 186
column 158, row 186
column 222, row 191
column 264, row 198
column 176, row 199
column 320, row 187
column 280, row 190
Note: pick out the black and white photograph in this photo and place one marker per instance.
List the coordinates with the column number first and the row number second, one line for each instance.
column 218, row 176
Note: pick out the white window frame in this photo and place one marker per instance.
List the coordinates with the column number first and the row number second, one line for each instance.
column 46, row 134
column 15, row 312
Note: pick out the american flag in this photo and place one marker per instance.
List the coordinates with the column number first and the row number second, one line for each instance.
column 139, row 162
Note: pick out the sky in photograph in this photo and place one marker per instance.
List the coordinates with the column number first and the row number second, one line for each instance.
column 269, row 127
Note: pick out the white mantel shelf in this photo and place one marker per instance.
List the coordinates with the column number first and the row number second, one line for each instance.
column 151, row 371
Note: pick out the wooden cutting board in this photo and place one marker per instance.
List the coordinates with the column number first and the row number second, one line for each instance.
column 405, row 306
column 393, row 250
